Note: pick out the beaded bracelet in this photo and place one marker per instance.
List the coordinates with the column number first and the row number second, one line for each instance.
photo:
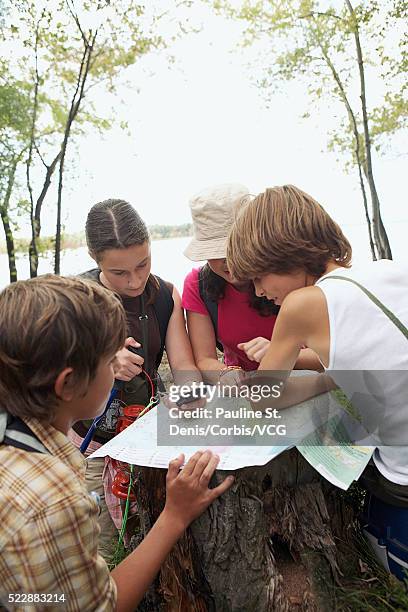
column 228, row 369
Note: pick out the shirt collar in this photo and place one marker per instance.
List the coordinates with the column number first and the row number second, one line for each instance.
column 57, row 444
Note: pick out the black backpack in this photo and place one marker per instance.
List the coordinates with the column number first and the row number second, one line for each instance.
column 163, row 307
column 211, row 306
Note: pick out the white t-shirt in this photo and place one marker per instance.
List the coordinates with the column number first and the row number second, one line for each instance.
column 368, row 355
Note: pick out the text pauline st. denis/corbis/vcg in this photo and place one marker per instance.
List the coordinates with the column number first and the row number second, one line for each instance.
column 227, row 418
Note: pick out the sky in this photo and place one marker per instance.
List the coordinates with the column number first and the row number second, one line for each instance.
column 201, row 121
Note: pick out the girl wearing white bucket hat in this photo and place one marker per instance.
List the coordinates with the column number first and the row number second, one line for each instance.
column 222, row 312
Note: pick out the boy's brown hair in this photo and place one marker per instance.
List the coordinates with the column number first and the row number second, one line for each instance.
column 47, row 324
column 283, row 230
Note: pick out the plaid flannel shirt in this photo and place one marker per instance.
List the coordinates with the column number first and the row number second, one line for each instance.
column 49, row 530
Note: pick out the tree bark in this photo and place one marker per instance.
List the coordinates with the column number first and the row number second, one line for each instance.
column 226, row 560
column 4, row 208
column 36, row 219
column 35, row 225
column 356, row 135
column 73, row 111
column 380, row 235
column 10, row 245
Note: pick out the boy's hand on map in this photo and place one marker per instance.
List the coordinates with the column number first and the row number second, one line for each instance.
column 128, row 365
column 188, row 494
column 255, row 349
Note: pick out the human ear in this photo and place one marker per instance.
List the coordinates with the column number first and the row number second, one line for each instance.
column 64, row 385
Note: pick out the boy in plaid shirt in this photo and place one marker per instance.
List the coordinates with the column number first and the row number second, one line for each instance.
column 58, row 339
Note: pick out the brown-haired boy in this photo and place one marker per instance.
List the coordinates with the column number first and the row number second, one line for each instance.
column 58, row 339
column 354, row 317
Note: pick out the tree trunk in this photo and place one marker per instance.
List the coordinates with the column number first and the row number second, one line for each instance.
column 226, row 560
column 6, row 222
column 10, row 244
column 35, row 223
column 33, row 248
column 356, row 135
column 36, row 217
column 73, row 112
column 380, row 235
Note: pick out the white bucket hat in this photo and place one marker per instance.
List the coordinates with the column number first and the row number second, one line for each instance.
column 213, row 211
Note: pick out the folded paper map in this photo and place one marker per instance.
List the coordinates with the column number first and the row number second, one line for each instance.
column 322, row 430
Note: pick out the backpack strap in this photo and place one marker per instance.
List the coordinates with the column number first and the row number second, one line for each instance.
column 91, row 274
column 144, row 326
column 377, row 302
column 211, row 306
column 163, row 308
column 19, row 435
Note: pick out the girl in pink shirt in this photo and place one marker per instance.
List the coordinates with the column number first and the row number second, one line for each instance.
column 241, row 317
column 220, row 310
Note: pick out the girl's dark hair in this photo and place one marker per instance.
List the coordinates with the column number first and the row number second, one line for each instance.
column 214, row 287
column 115, row 224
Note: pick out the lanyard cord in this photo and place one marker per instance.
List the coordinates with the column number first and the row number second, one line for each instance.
column 144, row 325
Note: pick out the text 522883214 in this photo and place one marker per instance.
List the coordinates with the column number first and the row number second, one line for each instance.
column 17, row 599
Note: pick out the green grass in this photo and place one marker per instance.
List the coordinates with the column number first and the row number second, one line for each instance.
column 119, row 553
column 367, row 586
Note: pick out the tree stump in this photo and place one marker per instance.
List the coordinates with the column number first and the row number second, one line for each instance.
column 226, row 560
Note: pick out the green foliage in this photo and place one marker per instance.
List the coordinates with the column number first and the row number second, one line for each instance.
column 64, row 55
column 389, row 118
column 14, row 130
column 14, row 108
column 341, row 52
column 313, row 42
column 159, row 232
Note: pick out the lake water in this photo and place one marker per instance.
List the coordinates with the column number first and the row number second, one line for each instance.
column 169, row 262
